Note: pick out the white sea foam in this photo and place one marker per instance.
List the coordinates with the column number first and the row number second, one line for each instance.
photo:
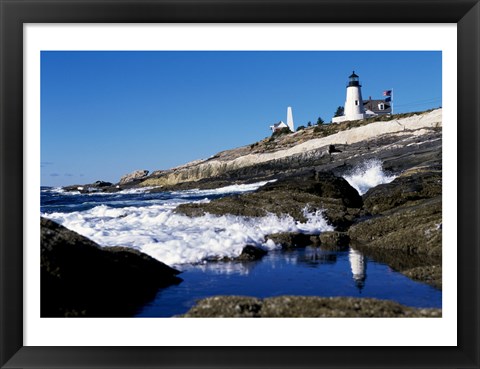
column 135, row 190
column 60, row 190
column 241, row 188
column 177, row 239
column 368, row 175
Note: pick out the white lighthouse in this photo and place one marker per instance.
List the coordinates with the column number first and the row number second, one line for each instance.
column 353, row 109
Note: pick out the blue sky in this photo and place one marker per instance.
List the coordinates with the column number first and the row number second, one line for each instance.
column 105, row 114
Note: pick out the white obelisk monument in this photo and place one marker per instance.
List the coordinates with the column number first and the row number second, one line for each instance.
column 290, row 119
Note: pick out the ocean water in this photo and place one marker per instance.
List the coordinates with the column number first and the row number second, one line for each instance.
column 308, row 271
column 146, row 222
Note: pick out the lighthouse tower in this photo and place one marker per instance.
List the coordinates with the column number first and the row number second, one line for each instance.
column 354, row 103
column 353, row 109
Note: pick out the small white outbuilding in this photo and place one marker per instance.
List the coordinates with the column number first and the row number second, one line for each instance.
column 281, row 124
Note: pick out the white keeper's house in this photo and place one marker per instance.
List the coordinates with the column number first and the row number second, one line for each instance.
column 356, row 108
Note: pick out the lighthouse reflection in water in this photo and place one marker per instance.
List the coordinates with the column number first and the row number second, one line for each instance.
column 358, row 266
column 309, row 271
column 339, row 262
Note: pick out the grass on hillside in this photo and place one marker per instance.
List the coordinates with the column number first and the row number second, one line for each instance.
column 285, row 138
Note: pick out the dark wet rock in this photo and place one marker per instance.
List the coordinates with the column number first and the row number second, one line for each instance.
column 134, row 176
column 414, row 229
column 303, row 306
column 332, row 149
column 321, row 184
column 413, row 185
column 334, row 240
column 397, row 259
column 290, row 240
column 408, row 238
column 97, row 186
column 250, row 253
column 430, row 274
column 258, row 204
column 311, row 192
column 417, row 266
column 79, row 278
column 225, row 307
column 72, row 188
column 420, row 151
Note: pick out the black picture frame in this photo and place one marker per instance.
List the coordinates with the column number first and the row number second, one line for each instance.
column 15, row 13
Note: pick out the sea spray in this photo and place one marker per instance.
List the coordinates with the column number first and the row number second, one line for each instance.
column 240, row 188
column 367, row 175
column 147, row 222
column 177, row 239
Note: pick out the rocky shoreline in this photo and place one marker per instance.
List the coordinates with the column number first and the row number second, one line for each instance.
column 81, row 279
column 400, row 144
column 304, row 307
column 398, row 223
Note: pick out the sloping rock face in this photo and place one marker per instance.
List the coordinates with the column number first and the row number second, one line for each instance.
column 134, row 176
column 406, row 229
column 413, row 185
column 413, row 229
column 303, row 307
column 79, row 278
column 321, row 184
column 294, row 152
column 293, row 196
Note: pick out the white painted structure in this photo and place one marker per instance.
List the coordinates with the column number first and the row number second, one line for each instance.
column 356, row 108
column 278, row 126
column 290, row 119
column 281, row 124
column 353, row 108
column 354, row 101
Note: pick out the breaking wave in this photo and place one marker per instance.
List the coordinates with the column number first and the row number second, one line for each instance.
column 178, row 239
column 367, row 175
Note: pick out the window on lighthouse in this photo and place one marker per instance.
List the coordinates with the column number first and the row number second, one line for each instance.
column 356, row 102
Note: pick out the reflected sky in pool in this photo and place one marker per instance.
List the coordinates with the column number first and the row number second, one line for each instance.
column 309, row 271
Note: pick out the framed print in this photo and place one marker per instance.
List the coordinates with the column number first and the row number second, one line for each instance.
column 305, row 237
